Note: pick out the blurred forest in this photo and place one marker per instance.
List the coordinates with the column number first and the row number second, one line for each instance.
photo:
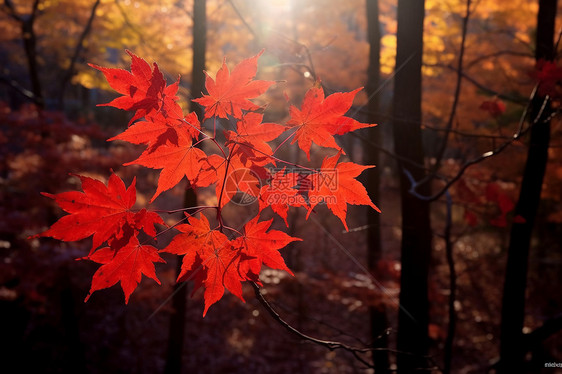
column 460, row 273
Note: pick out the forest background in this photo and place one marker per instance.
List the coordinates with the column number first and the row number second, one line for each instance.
column 480, row 78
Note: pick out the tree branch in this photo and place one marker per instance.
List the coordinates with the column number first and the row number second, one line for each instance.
column 331, row 345
column 481, row 86
column 4, row 77
column 481, row 58
column 79, row 45
column 10, row 10
column 452, row 286
column 549, row 328
column 449, row 125
column 518, row 134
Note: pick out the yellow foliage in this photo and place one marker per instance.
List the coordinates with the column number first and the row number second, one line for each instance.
column 388, row 53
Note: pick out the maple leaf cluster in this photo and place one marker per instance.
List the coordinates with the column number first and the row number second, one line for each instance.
column 215, row 256
column 497, row 203
column 549, row 78
column 494, row 107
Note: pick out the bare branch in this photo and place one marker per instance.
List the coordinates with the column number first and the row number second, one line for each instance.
column 331, row 345
column 452, row 286
column 499, row 149
column 481, row 58
column 10, row 10
column 77, row 50
column 237, row 11
column 449, row 125
column 4, row 77
column 467, row 134
column 481, row 86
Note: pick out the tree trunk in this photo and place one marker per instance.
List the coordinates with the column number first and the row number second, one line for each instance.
column 199, row 52
column 413, row 314
column 179, row 300
column 29, row 42
column 379, row 322
column 79, row 46
column 512, row 353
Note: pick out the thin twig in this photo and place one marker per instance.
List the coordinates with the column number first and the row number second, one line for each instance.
column 331, row 345
column 456, row 96
column 79, row 46
column 481, row 86
column 499, row 149
column 4, row 77
column 452, row 286
column 481, row 58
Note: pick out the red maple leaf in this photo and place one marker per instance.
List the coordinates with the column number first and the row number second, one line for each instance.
column 251, row 137
column 495, row 194
column 177, row 160
column 336, row 186
column 320, row 119
column 280, row 193
column 549, row 78
column 495, row 107
column 126, row 266
column 102, row 211
column 231, row 91
column 157, row 129
column 143, row 89
column 470, row 218
column 231, row 176
column 210, row 260
column 262, row 247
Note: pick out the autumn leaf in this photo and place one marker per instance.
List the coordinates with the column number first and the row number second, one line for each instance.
column 336, row 186
column 251, row 137
column 319, row 119
column 231, row 175
column 126, row 266
column 143, row 88
column 282, row 192
column 496, row 195
column 230, row 92
column 470, row 218
column 221, row 265
column 495, row 107
column 210, row 260
column 158, row 129
column 102, row 211
column 262, row 247
column 177, row 160
column 519, row 219
column 548, row 77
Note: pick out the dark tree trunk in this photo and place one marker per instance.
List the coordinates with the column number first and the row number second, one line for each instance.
column 512, row 352
column 79, row 46
column 179, row 300
column 29, row 40
column 379, row 322
column 29, row 43
column 413, row 314
column 199, row 51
